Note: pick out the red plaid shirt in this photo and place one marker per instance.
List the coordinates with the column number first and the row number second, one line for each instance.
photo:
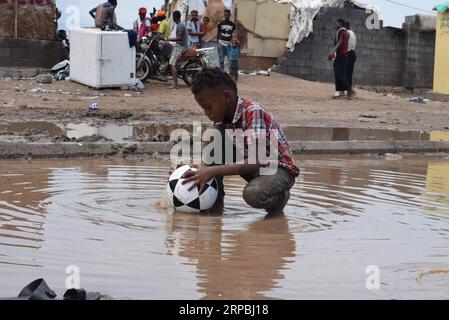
column 252, row 116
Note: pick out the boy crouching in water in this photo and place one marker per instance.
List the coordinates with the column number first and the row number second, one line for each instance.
column 217, row 95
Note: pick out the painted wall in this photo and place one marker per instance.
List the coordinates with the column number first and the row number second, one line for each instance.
column 441, row 78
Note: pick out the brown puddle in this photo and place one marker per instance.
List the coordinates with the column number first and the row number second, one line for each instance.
column 147, row 132
column 345, row 214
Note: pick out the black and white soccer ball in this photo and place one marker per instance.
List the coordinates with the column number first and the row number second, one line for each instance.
column 181, row 199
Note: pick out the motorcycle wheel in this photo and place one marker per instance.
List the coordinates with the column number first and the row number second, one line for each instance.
column 190, row 70
column 143, row 69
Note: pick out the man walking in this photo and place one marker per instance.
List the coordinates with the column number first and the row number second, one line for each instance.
column 225, row 31
column 340, row 56
column 194, row 30
column 352, row 58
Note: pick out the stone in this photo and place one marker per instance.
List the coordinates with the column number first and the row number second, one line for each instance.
column 44, row 78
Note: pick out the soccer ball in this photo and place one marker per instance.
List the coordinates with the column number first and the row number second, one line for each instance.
column 181, row 199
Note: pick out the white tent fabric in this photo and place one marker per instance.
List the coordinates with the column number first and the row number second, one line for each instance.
column 303, row 12
column 197, row 5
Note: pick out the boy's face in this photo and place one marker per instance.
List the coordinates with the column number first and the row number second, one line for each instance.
column 215, row 102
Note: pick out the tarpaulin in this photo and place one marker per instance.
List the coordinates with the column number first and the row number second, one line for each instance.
column 304, row 11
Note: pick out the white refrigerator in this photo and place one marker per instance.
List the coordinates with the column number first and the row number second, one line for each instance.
column 102, row 59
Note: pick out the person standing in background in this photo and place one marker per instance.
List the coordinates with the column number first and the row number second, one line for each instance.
column 164, row 25
column 155, row 24
column 204, row 28
column 142, row 26
column 340, row 56
column 352, row 58
column 234, row 57
column 194, row 30
column 225, row 30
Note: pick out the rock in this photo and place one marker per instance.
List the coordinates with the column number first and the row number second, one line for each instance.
column 391, row 156
column 369, row 116
column 263, row 73
column 44, row 78
column 156, row 156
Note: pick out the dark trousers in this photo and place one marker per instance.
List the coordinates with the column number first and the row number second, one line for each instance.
column 234, row 69
column 340, row 70
column 352, row 58
column 269, row 192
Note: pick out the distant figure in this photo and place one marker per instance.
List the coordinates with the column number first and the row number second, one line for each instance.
column 204, row 28
column 142, row 26
column 154, row 24
column 182, row 43
column 104, row 15
column 225, row 31
column 194, row 29
column 164, row 25
column 340, row 56
column 352, row 58
column 234, row 57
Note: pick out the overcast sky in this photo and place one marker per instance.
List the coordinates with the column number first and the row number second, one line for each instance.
column 392, row 14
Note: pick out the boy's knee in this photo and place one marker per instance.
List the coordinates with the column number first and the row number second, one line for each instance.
column 255, row 196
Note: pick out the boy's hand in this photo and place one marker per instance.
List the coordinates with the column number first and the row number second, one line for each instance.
column 200, row 177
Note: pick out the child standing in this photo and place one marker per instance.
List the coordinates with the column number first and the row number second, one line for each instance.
column 234, row 58
column 204, row 29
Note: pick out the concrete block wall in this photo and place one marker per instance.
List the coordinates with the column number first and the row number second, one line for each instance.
column 29, row 53
column 382, row 53
column 420, row 52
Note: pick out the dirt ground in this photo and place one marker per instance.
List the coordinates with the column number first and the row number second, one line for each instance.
column 293, row 101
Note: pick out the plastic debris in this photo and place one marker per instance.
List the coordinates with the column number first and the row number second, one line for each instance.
column 40, row 90
column 94, row 106
column 418, row 101
column 138, row 86
column 61, row 71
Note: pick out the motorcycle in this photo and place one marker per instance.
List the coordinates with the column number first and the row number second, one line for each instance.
column 152, row 61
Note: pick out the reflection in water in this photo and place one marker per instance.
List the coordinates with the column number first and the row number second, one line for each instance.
column 437, row 193
column 345, row 213
column 22, row 218
column 238, row 264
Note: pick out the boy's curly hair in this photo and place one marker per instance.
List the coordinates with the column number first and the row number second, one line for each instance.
column 211, row 78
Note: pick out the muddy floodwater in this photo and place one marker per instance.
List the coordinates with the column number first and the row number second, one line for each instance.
column 353, row 222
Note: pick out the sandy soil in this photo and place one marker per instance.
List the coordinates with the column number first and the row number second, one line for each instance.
column 293, row 101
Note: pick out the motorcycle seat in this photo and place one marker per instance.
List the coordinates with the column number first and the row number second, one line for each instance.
column 189, row 54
